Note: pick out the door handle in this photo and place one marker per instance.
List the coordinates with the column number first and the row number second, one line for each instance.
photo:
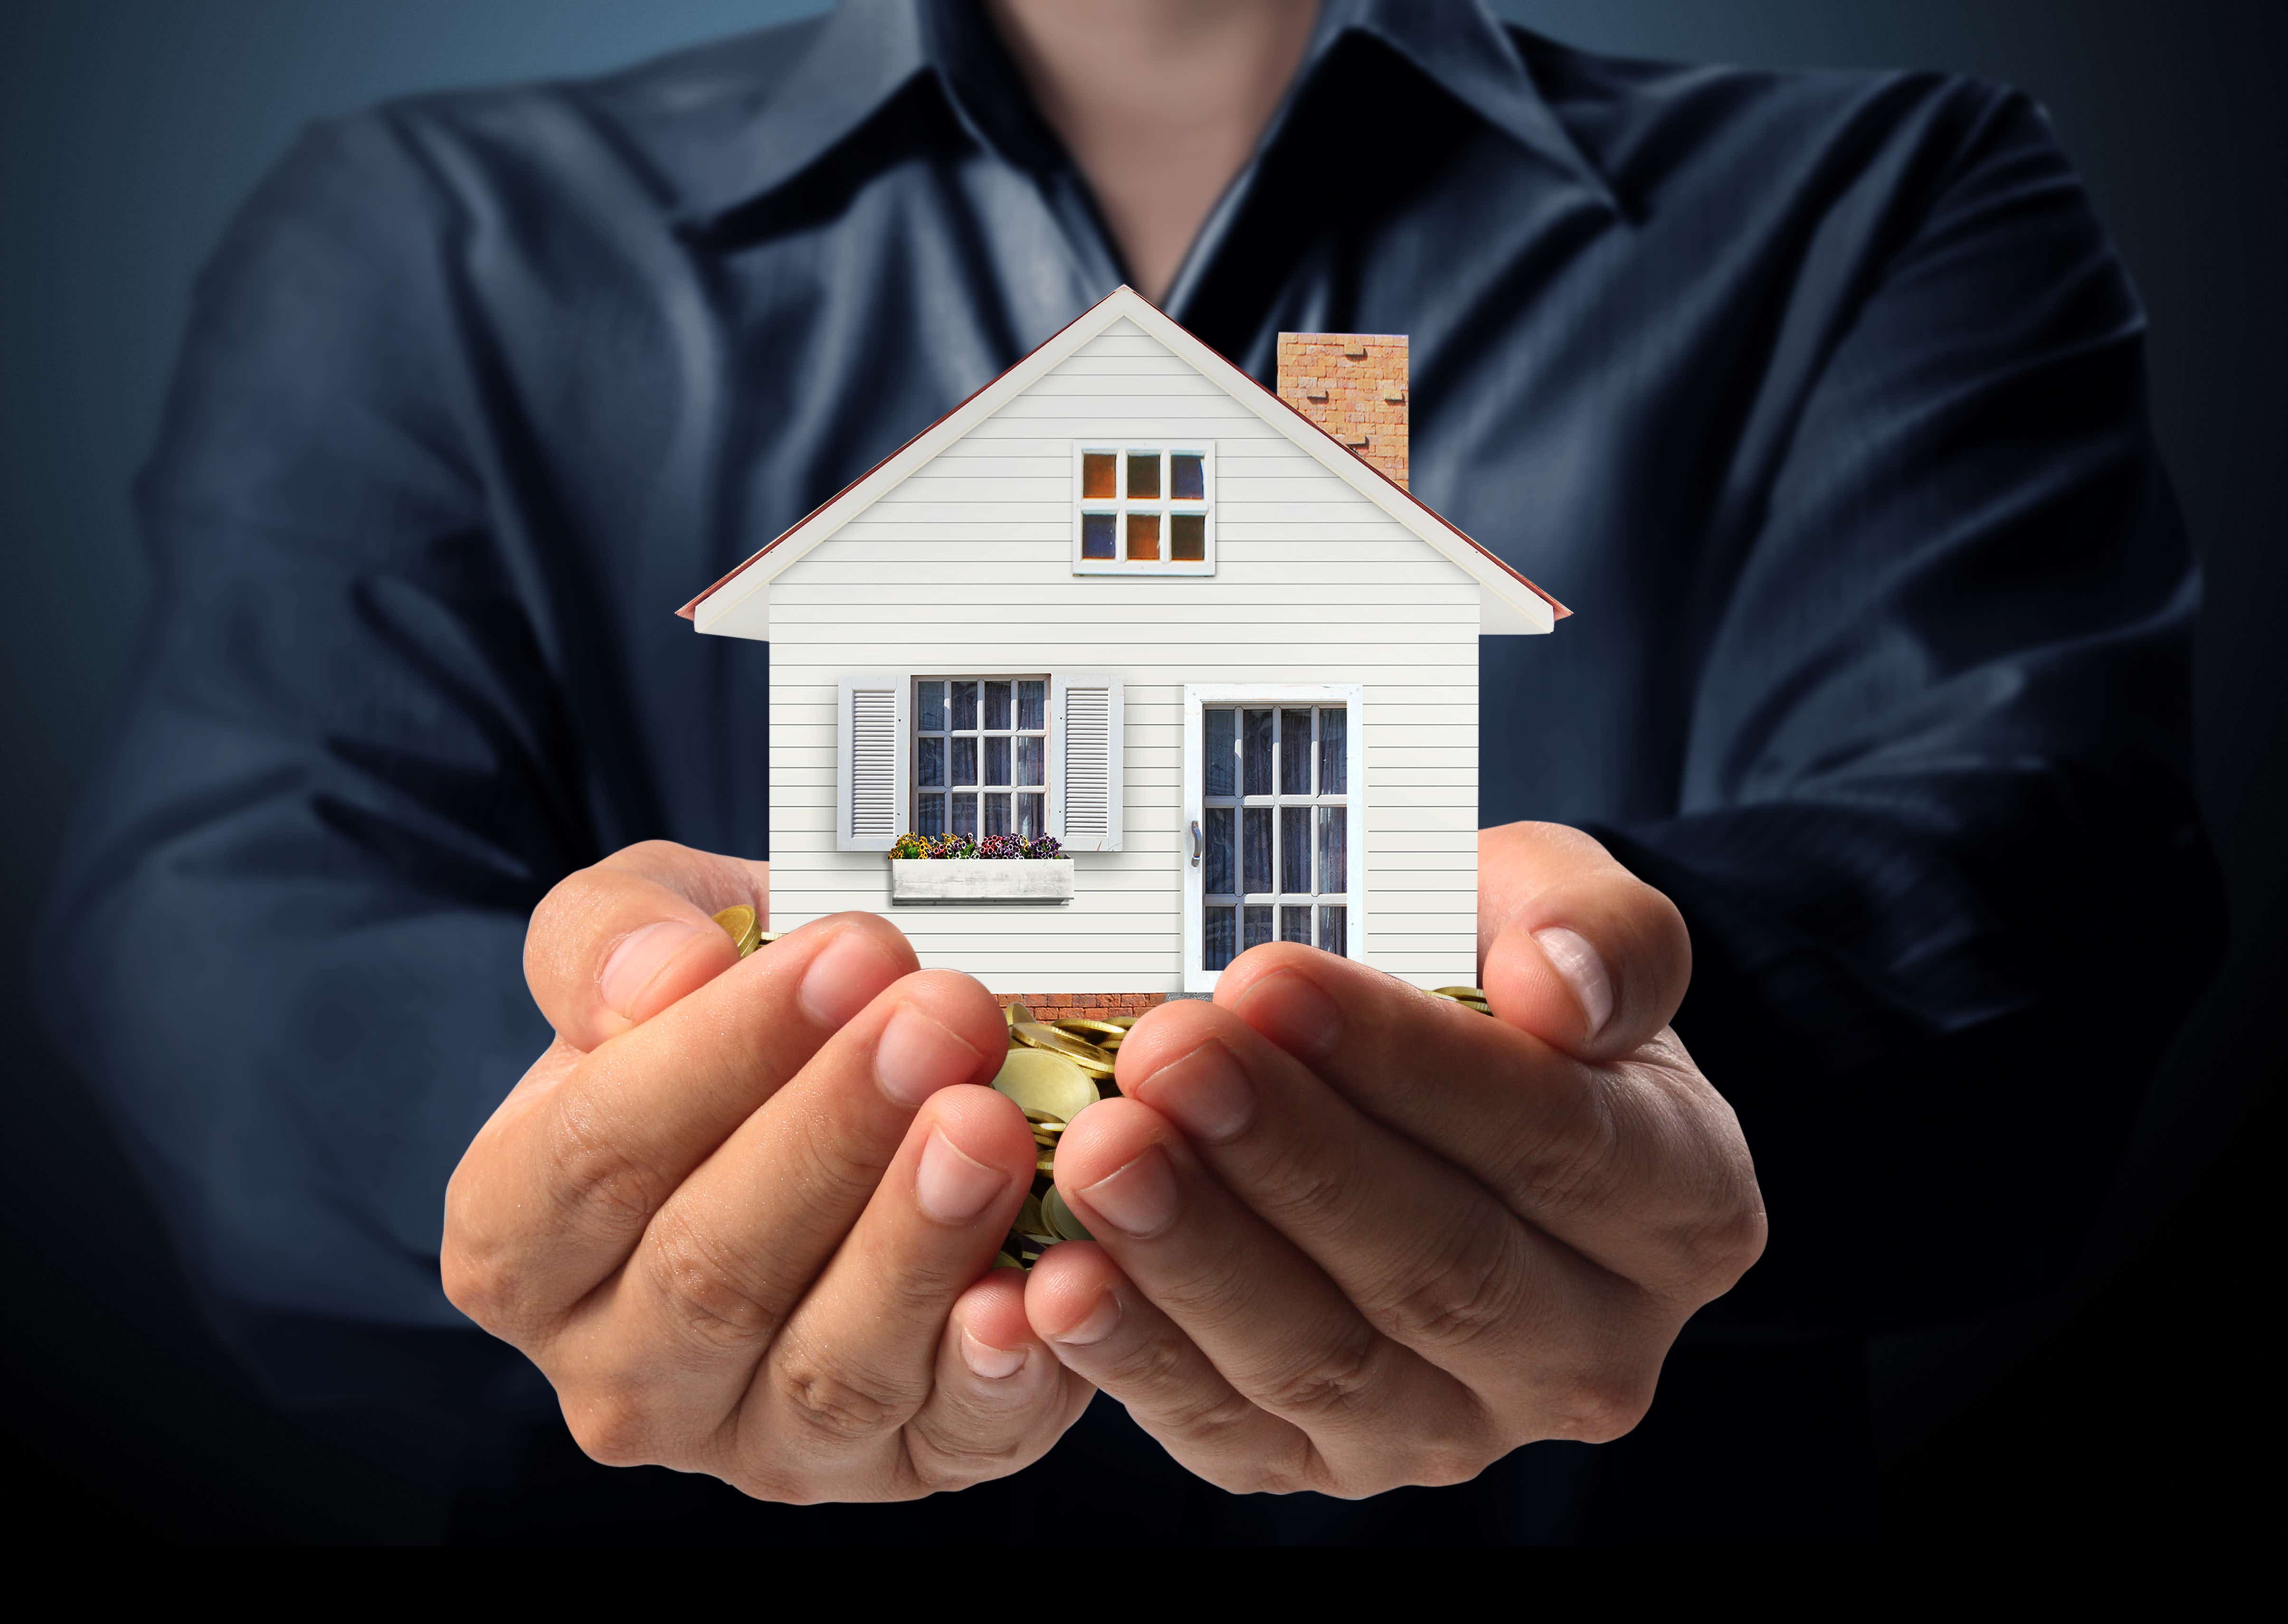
column 1195, row 842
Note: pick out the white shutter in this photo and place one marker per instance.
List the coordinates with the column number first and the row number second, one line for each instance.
column 1085, row 787
column 870, row 771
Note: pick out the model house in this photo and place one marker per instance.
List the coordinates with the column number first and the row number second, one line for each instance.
column 1197, row 631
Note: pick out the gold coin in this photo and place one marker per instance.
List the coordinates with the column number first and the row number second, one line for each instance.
column 1014, row 1012
column 1093, row 1030
column 1080, row 1052
column 1006, row 1262
column 738, row 923
column 1061, row 1220
column 1047, row 1163
column 1045, row 1083
column 1460, row 992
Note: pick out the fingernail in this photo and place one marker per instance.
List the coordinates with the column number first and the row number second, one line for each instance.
column 635, row 963
column 916, row 1056
column 994, row 1364
column 953, row 1187
column 1102, row 1321
column 1141, row 1199
column 1571, row 956
column 844, row 979
column 1206, row 1093
column 1290, row 1010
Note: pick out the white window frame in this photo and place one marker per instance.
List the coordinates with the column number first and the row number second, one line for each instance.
column 1165, row 505
column 1048, row 731
column 1198, row 698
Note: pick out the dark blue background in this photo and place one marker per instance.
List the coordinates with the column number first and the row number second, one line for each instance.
column 130, row 128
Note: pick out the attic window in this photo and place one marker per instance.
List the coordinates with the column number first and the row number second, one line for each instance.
column 1143, row 510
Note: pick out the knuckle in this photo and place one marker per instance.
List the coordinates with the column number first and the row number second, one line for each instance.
column 1333, row 1386
column 594, row 1177
column 1458, row 1297
column 714, row 1301
column 611, row 1427
column 942, row 1458
column 1598, row 1404
column 845, row 1404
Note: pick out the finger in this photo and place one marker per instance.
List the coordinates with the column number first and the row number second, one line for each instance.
column 1282, row 1333
column 999, row 1398
column 1572, row 946
column 1107, row 1332
column 613, row 945
column 1430, row 1257
column 554, row 1191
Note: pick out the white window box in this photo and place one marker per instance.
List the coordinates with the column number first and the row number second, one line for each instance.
column 923, row 881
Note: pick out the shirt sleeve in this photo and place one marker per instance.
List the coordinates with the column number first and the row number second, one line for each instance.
column 285, row 945
column 1937, row 842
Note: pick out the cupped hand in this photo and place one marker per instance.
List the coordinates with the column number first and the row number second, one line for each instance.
column 1350, row 1236
column 743, row 1213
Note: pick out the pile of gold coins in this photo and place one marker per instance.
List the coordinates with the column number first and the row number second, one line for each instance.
column 1054, row 1070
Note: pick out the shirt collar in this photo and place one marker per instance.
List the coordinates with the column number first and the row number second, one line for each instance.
column 866, row 51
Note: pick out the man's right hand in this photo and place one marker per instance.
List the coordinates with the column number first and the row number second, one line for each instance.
column 743, row 1213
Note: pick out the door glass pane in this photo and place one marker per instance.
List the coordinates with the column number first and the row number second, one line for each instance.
column 930, row 769
column 964, row 814
column 1295, row 850
column 1098, row 536
column 1218, row 739
column 933, row 708
column 1255, row 753
column 1216, row 946
column 1334, row 936
column 997, row 814
column 997, row 706
column 1143, row 476
column 965, row 707
column 1188, row 477
column 1032, row 760
column 932, row 816
column 1032, row 815
column 1294, row 752
column 1099, row 472
column 1334, row 760
column 1334, row 863
column 1187, row 538
column 1257, row 929
column 1255, row 838
column 1216, row 870
column 1033, row 705
column 997, row 761
column 1295, row 925
column 964, row 761
column 1143, row 535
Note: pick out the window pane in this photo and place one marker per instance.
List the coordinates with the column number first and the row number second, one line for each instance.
column 1217, row 874
column 1255, row 848
column 964, row 761
column 964, row 814
column 932, row 707
column 965, row 707
column 1334, row 864
column 1295, row 925
column 1295, row 850
column 1032, row 704
column 1257, row 926
column 931, row 819
column 1217, row 727
column 1334, row 760
column 1032, row 760
column 1187, row 477
column 929, row 772
column 1294, row 752
column 1032, row 815
column 1096, row 538
column 1099, row 475
column 1143, row 535
column 997, row 814
column 1187, row 538
column 1215, row 950
column 1334, row 934
column 1143, row 476
column 1255, row 753
column 997, row 706
column 997, row 761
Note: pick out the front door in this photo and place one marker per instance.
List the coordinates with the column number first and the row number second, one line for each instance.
column 1273, row 820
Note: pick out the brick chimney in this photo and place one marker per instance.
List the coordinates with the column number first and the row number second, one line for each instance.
column 1354, row 387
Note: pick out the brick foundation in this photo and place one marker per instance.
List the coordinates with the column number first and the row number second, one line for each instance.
column 1083, row 1006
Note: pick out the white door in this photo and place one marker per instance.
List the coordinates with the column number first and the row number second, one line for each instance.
column 1275, row 817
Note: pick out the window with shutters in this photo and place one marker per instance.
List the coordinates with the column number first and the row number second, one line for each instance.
column 1143, row 510
column 980, row 762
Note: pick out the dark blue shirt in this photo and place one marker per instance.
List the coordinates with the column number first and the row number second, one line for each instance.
column 1820, row 398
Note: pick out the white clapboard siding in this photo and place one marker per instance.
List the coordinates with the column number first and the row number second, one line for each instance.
column 967, row 566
